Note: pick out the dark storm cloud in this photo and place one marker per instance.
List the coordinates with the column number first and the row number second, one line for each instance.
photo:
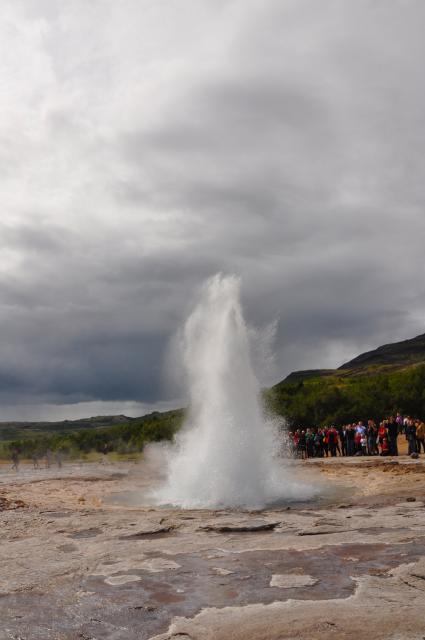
column 282, row 141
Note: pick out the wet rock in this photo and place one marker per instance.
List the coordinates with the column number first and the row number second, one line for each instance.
column 292, row 581
column 245, row 526
column 414, row 578
column 222, row 572
column 376, row 571
column 67, row 548
column 320, row 531
column 327, row 522
column 150, row 529
column 117, row 581
column 148, row 607
column 85, row 533
column 156, row 565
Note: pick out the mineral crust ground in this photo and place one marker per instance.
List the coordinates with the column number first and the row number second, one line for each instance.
column 81, row 562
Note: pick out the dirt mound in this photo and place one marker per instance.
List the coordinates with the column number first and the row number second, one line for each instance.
column 401, row 470
column 10, row 505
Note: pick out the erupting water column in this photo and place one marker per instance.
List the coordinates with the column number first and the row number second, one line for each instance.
column 225, row 453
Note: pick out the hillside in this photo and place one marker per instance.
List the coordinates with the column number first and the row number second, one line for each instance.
column 372, row 385
column 396, row 354
column 18, row 430
column 103, row 433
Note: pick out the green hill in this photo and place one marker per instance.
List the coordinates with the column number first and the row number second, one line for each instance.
column 375, row 384
column 396, row 354
column 24, row 430
column 103, row 433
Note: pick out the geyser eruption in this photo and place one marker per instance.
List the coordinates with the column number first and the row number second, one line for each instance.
column 226, row 452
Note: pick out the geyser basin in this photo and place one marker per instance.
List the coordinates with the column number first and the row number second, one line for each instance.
column 226, row 453
column 300, row 477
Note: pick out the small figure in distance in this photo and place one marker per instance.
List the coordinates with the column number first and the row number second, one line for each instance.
column 15, row 460
column 34, row 459
column 48, row 459
column 59, row 458
column 105, row 451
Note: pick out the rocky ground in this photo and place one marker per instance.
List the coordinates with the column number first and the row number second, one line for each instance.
column 78, row 561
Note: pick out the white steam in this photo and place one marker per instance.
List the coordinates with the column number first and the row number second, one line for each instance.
column 226, row 454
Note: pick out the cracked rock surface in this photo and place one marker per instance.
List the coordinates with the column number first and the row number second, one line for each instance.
column 79, row 561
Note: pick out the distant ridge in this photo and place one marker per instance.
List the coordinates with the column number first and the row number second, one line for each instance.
column 396, row 353
column 12, row 429
column 296, row 376
column 375, row 384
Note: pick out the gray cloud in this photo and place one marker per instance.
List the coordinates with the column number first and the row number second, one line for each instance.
column 146, row 146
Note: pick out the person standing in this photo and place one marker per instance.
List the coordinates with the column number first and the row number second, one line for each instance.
column 15, row 460
column 296, row 441
column 392, row 436
column 318, row 444
column 372, row 434
column 420, row 436
column 343, row 439
column 48, row 459
column 302, row 450
column 410, row 431
column 291, row 444
column 309, row 442
column 34, row 458
column 350, row 435
column 360, row 432
column 333, row 441
column 383, row 438
column 59, row 458
column 326, row 441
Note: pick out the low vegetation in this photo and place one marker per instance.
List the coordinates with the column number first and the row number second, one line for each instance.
column 343, row 395
column 123, row 436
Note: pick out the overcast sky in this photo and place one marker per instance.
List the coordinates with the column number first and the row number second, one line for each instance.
column 147, row 144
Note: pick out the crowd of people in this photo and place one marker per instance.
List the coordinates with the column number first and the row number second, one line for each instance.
column 357, row 439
